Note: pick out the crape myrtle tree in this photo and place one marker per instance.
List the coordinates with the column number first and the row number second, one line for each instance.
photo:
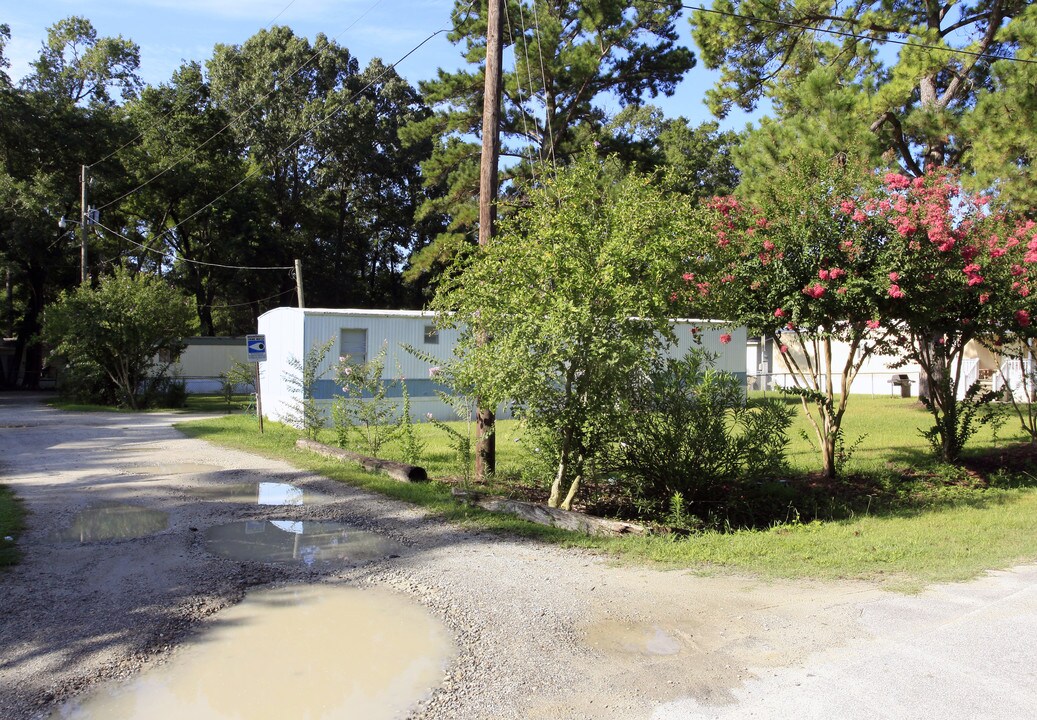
column 1014, row 337
column 796, row 268
column 954, row 272
column 576, row 291
column 570, row 59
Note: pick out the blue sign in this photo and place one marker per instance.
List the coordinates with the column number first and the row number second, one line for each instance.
column 256, row 347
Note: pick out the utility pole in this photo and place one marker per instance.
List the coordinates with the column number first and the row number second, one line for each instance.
column 485, row 442
column 83, row 219
column 298, row 282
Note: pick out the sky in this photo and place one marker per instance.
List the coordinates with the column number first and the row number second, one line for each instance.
column 171, row 31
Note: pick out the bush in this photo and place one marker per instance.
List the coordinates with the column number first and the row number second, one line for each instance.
column 111, row 335
column 693, row 435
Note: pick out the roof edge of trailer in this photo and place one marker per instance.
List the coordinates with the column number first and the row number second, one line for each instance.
column 368, row 312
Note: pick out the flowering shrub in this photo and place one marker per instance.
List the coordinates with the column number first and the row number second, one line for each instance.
column 957, row 271
column 804, row 270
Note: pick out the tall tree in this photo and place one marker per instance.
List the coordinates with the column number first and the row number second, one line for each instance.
column 833, row 74
column 60, row 117
column 568, row 59
column 335, row 186
column 191, row 210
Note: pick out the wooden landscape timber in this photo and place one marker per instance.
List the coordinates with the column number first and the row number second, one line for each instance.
column 396, row 470
column 543, row 515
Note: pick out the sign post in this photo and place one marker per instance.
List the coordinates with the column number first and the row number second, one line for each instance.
column 256, row 345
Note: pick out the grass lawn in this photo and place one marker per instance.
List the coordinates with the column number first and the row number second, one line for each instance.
column 900, row 517
column 12, row 522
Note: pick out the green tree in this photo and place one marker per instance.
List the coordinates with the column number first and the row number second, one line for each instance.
column 331, row 182
column 568, row 59
column 1003, row 125
column 117, row 331
column 832, row 88
column 800, row 269
column 192, row 209
column 46, row 134
column 575, row 292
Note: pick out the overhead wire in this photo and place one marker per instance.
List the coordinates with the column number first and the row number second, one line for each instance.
column 170, row 110
column 543, row 74
column 302, row 134
column 233, row 120
column 844, row 33
column 518, row 85
column 165, row 254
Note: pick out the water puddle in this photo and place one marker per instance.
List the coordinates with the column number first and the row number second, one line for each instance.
column 296, row 541
column 113, row 522
column 175, row 469
column 315, row 652
column 629, row 638
column 259, row 493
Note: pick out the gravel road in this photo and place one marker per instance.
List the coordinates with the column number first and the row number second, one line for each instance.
column 541, row 632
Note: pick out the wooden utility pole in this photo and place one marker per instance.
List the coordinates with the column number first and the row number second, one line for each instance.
column 485, row 442
column 84, row 218
column 298, row 282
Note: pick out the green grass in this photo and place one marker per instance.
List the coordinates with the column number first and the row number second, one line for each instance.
column 933, row 524
column 12, row 523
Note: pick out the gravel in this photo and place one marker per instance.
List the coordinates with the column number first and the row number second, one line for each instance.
column 541, row 631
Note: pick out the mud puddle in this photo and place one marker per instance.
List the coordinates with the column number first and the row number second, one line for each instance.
column 295, row 541
column 634, row 639
column 113, row 522
column 316, row 652
column 259, row 493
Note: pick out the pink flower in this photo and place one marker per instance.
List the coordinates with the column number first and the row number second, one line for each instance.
column 823, row 274
column 1023, row 318
column 894, row 276
column 725, row 338
column 783, row 349
column 895, row 291
column 841, row 290
column 836, row 273
column 779, row 313
column 984, row 298
column 815, row 291
column 858, row 216
column 688, row 277
column 434, row 371
column 896, row 181
column 872, row 324
column 768, row 245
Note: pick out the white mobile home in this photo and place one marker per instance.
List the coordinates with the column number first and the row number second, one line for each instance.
column 360, row 335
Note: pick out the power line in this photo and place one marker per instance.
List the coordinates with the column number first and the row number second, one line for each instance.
column 267, row 26
column 252, row 302
column 844, row 33
column 189, row 260
column 255, row 170
column 233, row 120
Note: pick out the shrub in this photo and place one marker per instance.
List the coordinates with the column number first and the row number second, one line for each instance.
column 693, row 435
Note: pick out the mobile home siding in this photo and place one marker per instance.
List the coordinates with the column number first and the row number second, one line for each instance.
column 291, row 332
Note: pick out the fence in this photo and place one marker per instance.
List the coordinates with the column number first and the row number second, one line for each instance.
column 876, row 383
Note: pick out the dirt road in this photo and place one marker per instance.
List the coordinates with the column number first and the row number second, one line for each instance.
column 540, row 632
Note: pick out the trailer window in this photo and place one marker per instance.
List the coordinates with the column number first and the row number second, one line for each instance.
column 353, row 345
column 431, row 335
